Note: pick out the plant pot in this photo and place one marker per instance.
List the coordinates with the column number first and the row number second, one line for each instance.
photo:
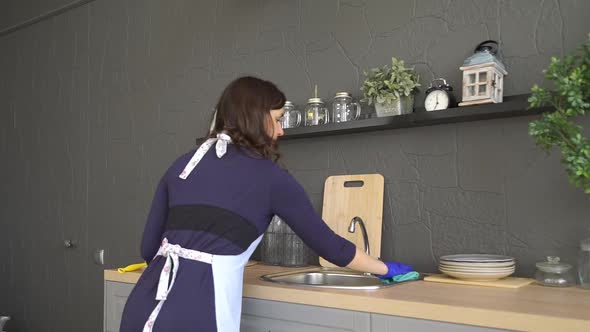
column 402, row 105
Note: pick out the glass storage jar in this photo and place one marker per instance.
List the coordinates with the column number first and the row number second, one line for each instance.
column 344, row 109
column 553, row 273
column 291, row 117
column 316, row 112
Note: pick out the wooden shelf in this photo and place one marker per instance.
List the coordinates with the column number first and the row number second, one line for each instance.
column 512, row 106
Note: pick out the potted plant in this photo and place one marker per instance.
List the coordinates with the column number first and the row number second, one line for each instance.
column 391, row 88
column 570, row 98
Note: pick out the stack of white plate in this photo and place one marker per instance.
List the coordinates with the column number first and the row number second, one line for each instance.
column 480, row 267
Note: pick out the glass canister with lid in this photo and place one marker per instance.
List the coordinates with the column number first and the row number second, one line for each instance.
column 344, row 109
column 553, row 273
column 316, row 112
column 291, row 117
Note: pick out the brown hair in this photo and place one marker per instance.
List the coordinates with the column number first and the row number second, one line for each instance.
column 243, row 112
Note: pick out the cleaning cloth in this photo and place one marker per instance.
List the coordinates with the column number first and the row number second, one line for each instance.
column 402, row 277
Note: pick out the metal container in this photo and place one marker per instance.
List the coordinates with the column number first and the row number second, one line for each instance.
column 281, row 246
column 402, row 105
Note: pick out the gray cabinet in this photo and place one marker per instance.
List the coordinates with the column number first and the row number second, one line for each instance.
column 257, row 315
column 115, row 296
column 384, row 323
column 272, row 316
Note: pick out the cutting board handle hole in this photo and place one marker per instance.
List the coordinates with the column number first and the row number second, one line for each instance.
column 354, row 184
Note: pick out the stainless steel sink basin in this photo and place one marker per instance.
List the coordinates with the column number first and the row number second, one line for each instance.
column 327, row 278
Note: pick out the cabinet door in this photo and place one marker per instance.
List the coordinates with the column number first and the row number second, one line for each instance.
column 384, row 323
column 272, row 316
column 115, row 297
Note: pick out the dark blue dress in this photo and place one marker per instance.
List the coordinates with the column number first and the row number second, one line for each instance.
column 222, row 208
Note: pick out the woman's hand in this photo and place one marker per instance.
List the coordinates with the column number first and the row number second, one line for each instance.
column 394, row 269
column 384, row 270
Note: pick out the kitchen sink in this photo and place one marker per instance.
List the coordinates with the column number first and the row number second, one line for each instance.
column 327, row 278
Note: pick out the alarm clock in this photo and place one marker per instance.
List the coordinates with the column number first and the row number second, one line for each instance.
column 439, row 95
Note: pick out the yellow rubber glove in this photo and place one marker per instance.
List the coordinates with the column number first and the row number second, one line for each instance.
column 132, row 267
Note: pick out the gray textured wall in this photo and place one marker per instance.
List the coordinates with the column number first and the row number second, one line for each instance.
column 97, row 101
column 15, row 13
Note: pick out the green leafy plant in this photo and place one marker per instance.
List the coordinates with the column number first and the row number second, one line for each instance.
column 570, row 98
column 386, row 84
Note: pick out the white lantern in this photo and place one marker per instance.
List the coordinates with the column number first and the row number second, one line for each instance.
column 483, row 76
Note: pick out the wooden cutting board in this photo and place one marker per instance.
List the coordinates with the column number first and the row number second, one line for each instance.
column 349, row 196
column 508, row 282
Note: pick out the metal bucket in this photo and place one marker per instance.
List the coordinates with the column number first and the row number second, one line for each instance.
column 281, row 246
column 402, row 105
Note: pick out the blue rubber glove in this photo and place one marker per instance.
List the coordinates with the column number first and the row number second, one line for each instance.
column 394, row 269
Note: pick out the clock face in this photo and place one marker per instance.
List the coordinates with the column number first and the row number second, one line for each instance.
column 436, row 100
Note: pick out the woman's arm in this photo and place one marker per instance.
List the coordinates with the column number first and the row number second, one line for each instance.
column 383, row 270
column 365, row 263
column 289, row 201
column 156, row 223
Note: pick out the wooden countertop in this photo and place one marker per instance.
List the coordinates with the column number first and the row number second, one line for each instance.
column 530, row 308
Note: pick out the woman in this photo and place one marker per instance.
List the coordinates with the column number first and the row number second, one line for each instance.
column 210, row 211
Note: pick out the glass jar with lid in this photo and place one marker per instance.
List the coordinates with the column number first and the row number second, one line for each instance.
column 344, row 109
column 291, row 117
column 316, row 112
column 553, row 273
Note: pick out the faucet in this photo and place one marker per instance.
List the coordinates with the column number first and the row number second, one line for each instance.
column 352, row 228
